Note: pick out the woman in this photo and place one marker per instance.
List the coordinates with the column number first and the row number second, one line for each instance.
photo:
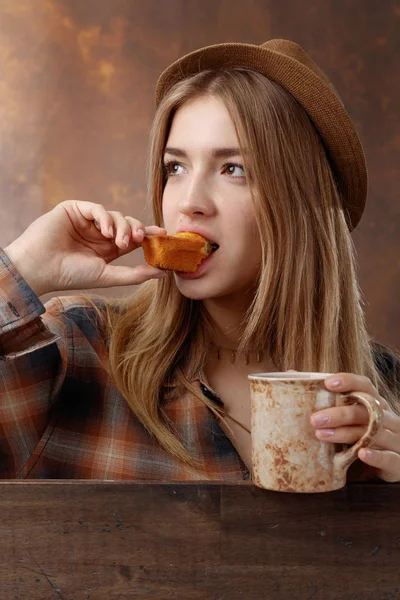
column 251, row 148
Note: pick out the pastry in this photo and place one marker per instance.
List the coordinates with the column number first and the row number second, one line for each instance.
column 182, row 251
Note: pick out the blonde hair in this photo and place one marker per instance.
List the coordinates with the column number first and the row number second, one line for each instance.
column 307, row 309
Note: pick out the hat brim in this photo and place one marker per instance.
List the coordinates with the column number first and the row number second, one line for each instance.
column 311, row 91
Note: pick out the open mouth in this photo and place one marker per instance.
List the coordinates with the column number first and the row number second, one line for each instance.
column 210, row 247
column 213, row 247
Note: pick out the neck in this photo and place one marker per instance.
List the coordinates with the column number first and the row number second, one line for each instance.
column 227, row 319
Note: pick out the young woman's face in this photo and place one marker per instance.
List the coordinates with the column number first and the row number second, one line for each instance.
column 207, row 192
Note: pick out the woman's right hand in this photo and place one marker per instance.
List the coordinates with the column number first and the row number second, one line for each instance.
column 70, row 248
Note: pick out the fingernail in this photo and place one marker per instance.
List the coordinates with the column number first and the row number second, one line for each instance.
column 319, row 420
column 160, row 275
column 126, row 240
column 335, row 382
column 326, row 432
column 367, row 453
column 111, row 231
column 140, row 232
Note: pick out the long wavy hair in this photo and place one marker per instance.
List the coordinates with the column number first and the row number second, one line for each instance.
column 307, row 310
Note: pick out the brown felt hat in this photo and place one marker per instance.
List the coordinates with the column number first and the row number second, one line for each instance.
column 289, row 65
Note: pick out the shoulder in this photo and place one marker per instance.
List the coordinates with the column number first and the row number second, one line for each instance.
column 88, row 314
column 75, row 306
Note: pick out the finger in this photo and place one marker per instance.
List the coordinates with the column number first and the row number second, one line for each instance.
column 137, row 228
column 97, row 214
column 387, row 463
column 120, row 275
column 349, row 382
column 155, row 230
column 354, row 414
column 383, row 439
column 384, row 403
column 122, row 230
column 337, row 416
column 112, row 223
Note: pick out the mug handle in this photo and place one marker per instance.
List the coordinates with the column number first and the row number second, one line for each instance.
column 346, row 457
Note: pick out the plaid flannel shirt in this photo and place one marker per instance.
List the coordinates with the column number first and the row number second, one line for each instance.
column 62, row 417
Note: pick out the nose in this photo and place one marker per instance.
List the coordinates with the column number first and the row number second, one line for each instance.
column 196, row 199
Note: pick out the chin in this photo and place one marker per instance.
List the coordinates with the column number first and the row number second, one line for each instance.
column 200, row 289
column 192, row 290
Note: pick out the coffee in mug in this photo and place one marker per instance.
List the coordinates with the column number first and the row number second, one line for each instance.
column 286, row 455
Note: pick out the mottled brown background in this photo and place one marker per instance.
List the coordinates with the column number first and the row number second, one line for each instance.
column 77, row 80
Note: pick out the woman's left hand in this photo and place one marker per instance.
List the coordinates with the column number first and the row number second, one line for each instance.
column 347, row 424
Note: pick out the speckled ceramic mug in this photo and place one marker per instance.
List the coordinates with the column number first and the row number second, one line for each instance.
column 286, row 455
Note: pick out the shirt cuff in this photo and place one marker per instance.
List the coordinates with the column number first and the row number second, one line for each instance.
column 19, row 304
column 21, row 329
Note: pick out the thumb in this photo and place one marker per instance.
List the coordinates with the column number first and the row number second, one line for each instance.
column 119, row 275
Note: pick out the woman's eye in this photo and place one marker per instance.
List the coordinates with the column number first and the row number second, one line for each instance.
column 172, row 168
column 234, row 170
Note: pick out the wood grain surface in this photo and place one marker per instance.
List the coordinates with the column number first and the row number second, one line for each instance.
column 108, row 541
column 77, row 100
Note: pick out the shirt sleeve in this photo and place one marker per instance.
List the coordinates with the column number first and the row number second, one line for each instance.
column 20, row 309
column 33, row 365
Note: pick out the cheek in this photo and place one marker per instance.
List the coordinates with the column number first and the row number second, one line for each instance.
column 168, row 209
column 252, row 249
column 243, row 240
column 251, row 235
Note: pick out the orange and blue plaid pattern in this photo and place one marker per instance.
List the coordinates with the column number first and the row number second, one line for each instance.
column 61, row 417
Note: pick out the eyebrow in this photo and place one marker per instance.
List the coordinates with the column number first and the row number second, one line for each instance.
column 215, row 152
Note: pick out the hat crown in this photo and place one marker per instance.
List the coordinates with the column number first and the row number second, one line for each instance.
column 293, row 50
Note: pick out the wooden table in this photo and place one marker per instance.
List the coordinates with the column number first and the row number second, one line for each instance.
column 74, row 540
